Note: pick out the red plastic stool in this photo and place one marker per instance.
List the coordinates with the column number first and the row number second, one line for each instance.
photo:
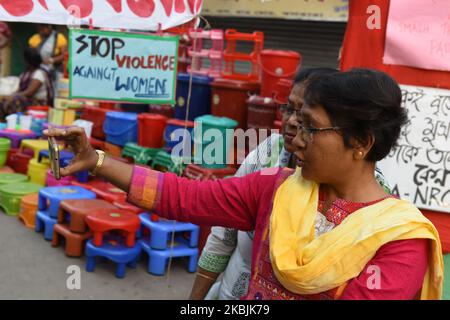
column 103, row 221
column 125, row 205
column 109, row 192
column 78, row 211
column 6, row 169
column 89, row 185
column 196, row 172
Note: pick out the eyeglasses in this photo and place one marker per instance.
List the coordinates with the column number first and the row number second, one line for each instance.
column 287, row 109
column 308, row 132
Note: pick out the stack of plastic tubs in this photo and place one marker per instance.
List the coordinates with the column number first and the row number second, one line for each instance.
column 198, row 53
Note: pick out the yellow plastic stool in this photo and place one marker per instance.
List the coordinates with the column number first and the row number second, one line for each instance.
column 35, row 145
column 37, row 172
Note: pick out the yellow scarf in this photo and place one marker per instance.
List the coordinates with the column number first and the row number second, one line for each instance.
column 307, row 265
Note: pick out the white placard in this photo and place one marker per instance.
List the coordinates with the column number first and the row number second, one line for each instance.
column 419, row 168
column 116, row 14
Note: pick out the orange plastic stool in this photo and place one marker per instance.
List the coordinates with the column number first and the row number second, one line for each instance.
column 6, row 169
column 109, row 192
column 74, row 242
column 103, row 221
column 28, row 208
column 78, row 211
column 125, row 205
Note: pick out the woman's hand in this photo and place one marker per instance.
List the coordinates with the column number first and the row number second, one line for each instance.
column 85, row 157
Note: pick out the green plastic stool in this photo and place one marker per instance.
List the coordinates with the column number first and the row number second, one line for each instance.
column 11, row 196
column 165, row 162
column 139, row 154
column 7, row 178
column 5, row 145
column 446, row 293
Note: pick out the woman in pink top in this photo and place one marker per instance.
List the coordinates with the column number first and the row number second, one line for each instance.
column 325, row 231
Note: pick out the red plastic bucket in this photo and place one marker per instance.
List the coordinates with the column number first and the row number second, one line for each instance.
column 151, row 130
column 276, row 65
column 228, row 99
column 107, row 105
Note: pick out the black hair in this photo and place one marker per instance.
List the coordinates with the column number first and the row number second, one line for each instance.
column 305, row 74
column 362, row 102
column 32, row 57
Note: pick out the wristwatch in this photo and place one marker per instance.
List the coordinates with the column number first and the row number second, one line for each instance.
column 101, row 159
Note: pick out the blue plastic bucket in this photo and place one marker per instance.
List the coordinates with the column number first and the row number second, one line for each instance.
column 120, row 128
column 200, row 97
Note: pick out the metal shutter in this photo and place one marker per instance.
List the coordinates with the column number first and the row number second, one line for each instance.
column 317, row 41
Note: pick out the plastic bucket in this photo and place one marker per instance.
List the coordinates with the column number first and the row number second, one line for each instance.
column 276, row 65
column 202, row 140
column 228, row 99
column 169, row 136
column 151, row 130
column 200, row 103
column 120, row 128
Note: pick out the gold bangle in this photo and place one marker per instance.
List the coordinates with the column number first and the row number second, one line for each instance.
column 205, row 276
column 101, row 159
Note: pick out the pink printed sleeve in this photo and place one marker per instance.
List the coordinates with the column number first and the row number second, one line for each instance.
column 232, row 202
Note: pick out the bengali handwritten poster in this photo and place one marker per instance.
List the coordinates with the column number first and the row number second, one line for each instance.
column 419, row 168
column 128, row 67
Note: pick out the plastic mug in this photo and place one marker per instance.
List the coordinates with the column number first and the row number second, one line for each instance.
column 11, row 121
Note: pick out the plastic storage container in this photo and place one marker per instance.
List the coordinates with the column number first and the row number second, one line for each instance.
column 172, row 139
column 200, row 103
column 5, row 145
column 151, row 130
column 120, row 127
column 277, row 65
column 206, row 155
column 261, row 112
column 229, row 99
column 97, row 116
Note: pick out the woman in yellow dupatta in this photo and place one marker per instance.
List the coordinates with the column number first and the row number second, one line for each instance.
column 348, row 121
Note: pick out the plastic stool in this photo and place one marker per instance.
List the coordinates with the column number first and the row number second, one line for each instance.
column 57, row 194
column 74, row 242
column 113, row 249
column 78, row 211
column 162, row 230
column 102, row 221
column 165, row 162
column 6, row 178
column 139, row 154
column 46, row 223
column 109, row 192
column 36, row 145
column 37, row 172
column 125, row 205
column 63, row 156
column 11, row 196
column 28, row 208
column 158, row 259
column 6, row 169
column 196, row 172
column 51, row 181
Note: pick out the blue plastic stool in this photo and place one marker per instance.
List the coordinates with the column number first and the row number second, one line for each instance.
column 114, row 249
column 64, row 155
column 158, row 259
column 57, row 194
column 45, row 222
column 82, row 176
column 161, row 231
